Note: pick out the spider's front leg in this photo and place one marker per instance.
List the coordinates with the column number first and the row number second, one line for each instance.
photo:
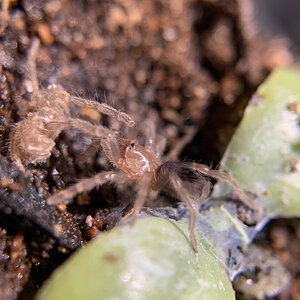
column 84, row 185
column 141, row 197
column 104, row 109
column 99, row 132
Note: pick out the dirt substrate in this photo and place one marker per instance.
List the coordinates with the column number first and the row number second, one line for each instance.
column 177, row 64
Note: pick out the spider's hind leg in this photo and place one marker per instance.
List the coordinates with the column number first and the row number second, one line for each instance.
column 222, row 176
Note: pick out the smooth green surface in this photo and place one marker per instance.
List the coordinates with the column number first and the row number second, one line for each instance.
column 151, row 260
column 267, row 140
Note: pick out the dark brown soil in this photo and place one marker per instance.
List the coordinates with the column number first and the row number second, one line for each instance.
column 194, row 63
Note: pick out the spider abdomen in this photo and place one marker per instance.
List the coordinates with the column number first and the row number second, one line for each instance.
column 194, row 183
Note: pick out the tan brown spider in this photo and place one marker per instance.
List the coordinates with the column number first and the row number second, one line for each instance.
column 142, row 164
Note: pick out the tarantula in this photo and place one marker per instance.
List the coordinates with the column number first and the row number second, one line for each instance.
column 186, row 181
column 143, row 165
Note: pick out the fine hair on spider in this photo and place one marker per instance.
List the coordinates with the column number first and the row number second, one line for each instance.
column 49, row 113
column 144, row 165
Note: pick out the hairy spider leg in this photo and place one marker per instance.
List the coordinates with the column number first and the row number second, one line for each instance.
column 111, row 150
column 141, row 197
column 219, row 175
column 84, row 185
column 83, row 126
column 104, row 109
column 192, row 204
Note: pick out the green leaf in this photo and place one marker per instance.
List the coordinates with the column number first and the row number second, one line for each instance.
column 151, row 260
column 264, row 153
